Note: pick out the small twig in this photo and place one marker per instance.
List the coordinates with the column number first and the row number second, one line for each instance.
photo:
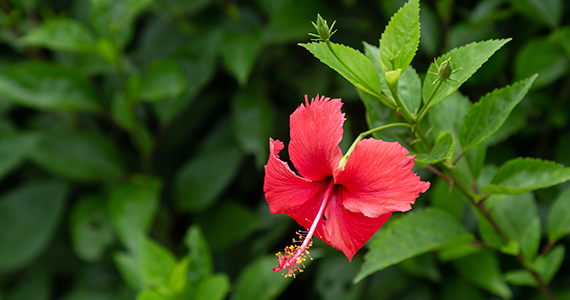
column 479, row 244
column 547, row 247
column 438, row 173
column 457, row 158
column 541, row 284
column 483, row 199
column 487, row 214
column 475, row 188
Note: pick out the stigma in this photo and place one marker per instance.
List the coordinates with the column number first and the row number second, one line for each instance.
column 293, row 257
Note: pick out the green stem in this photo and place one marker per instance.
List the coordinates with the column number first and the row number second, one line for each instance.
column 385, row 100
column 362, row 135
column 403, row 108
column 424, row 109
column 422, row 135
column 370, row 89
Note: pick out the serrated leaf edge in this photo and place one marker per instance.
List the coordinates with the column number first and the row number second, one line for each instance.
column 430, row 77
column 392, row 19
column 480, row 102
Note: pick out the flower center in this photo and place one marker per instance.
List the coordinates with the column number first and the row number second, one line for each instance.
column 293, row 257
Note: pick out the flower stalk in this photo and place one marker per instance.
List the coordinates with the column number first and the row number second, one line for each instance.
column 344, row 159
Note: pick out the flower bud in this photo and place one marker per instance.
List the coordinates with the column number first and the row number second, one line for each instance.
column 445, row 69
column 323, row 30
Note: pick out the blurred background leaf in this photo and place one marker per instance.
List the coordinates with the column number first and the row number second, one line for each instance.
column 29, row 216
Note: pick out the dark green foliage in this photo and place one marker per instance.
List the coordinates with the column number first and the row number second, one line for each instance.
column 133, row 136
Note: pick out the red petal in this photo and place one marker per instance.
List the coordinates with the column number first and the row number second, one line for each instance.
column 345, row 230
column 283, row 189
column 316, row 130
column 378, row 179
column 305, row 214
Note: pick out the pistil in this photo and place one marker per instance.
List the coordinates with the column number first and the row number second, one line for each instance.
column 294, row 255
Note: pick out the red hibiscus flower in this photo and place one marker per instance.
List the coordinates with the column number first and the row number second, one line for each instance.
column 343, row 204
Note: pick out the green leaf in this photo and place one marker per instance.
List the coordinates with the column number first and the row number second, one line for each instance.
column 457, row 251
column 356, row 68
column 14, row 148
column 444, row 197
column 558, row 221
column 128, row 266
column 456, row 287
column 178, row 277
column 416, row 233
column 114, row 20
column 469, row 57
column 108, row 51
column 239, row 51
column 243, row 222
column 373, row 55
column 448, row 116
column 252, row 115
column 257, row 282
column 122, row 112
column 488, row 115
column 520, row 277
column 562, row 36
column 541, row 56
column 401, row 37
column 377, row 115
column 552, row 262
column 494, row 240
column 547, row 11
column 482, row 269
column 441, row 150
column 517, row 216
column 62, row 35
column 522, row 175
column 151, row 295
column 202, row 179
column 90, row 228
column 156, row 263
column 93, row 157
column 198, row 63
column 516, row 121
column 35, row 286
column 530, row 239
column 201, row 263
column 423, row 266
column 475, row 158
column 132, row 207
column 546, row 266
column 46, row 86
column 213, row 287
column 333, row 280
column 28, row 217
column 162, row 80
column 409, row 90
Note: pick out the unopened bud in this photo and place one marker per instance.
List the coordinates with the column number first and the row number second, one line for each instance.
column 445, row 69
column 323, row 30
